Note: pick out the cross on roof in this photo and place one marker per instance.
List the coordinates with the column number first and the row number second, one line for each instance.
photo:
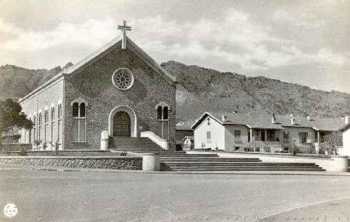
column 123, row 28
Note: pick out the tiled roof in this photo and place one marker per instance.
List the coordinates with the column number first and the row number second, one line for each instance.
column 260, row 120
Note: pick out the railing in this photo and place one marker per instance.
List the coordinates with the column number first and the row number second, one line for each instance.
column 156, row 139
column 263, row 146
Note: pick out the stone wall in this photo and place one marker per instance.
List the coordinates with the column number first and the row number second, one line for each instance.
column 120, row 163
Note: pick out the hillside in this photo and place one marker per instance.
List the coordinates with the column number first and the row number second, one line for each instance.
column 202, row 89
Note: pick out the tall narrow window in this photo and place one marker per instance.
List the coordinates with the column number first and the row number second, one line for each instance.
column 79, row 122
column 75, row 110
column 46, row 126
column 34, row 129
column 39, row 127
column 163, row 116
column 52, row 131
column 82, row 110
column 165, row 113
column 159, row 113
column 59, row 122
column 162, row 111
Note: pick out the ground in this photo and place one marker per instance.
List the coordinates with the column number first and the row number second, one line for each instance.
column 119, row 196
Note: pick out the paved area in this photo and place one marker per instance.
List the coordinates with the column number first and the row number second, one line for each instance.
column 116, row 196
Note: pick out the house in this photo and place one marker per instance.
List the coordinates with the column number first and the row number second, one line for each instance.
column 119, row 89
column 261, row 132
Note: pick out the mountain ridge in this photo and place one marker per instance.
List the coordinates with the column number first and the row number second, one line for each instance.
column 203, row 89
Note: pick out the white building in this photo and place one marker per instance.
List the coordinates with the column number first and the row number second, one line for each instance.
column 262, row 132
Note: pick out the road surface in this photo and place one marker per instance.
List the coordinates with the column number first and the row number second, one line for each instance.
column 118, row 196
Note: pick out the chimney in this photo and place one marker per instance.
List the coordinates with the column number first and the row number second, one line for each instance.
column 292, row 119
column 224, row 118
column 273, row 119
column 347, row 119
column 308, row 118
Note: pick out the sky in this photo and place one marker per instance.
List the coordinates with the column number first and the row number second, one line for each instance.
column 305, row 42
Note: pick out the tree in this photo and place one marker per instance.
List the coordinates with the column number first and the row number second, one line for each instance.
column 331, row 142
column 11, row 116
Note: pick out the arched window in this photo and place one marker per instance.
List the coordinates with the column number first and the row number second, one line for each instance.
column 162, row 111
column 163, row 116
column 52, row 131
column 46, row 125
column 79, row 120
column 59, row 122
column 159, row 113
column 34, row 128
column 165, row 112
column 39, row 126
column 82, row 110
column 75, row 110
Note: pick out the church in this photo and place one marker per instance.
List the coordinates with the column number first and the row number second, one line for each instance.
column 119, row 89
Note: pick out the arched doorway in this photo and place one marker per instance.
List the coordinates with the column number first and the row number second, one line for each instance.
column 122, row 121
column 121, row 124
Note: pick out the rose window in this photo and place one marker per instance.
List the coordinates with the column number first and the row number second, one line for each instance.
column 123, row 79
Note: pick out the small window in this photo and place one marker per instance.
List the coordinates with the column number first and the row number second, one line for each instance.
column 208, row 136
column 303, row 137
column 208, row 121
column 237, row 134
column 75, row 109
column 165, row 112
column 82, row 110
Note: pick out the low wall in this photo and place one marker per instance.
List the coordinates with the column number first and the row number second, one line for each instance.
column 15, row 147
column 121, row 163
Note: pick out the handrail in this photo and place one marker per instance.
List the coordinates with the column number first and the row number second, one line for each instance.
column 156, row 139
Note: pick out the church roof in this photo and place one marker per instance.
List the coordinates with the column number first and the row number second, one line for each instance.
column 131, row 46
column 101, row 52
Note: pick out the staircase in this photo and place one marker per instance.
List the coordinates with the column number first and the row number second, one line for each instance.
column 135, row 144
column 212, row 162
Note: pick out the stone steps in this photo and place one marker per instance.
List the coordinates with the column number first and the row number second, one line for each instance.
column 207, row 159
column 183, row 154
column 211, row 162
column 134, row 144
column 167, row 168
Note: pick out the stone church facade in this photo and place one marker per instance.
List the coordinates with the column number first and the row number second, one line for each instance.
column 119, row 89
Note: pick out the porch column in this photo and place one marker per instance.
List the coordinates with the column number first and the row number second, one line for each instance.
column 251, row 134
column 265, row 135
column 317, row 145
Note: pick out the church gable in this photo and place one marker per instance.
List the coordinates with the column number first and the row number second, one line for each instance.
column 127, row 71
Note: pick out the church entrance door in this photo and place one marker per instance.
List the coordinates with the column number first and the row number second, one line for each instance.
column 121, row 124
